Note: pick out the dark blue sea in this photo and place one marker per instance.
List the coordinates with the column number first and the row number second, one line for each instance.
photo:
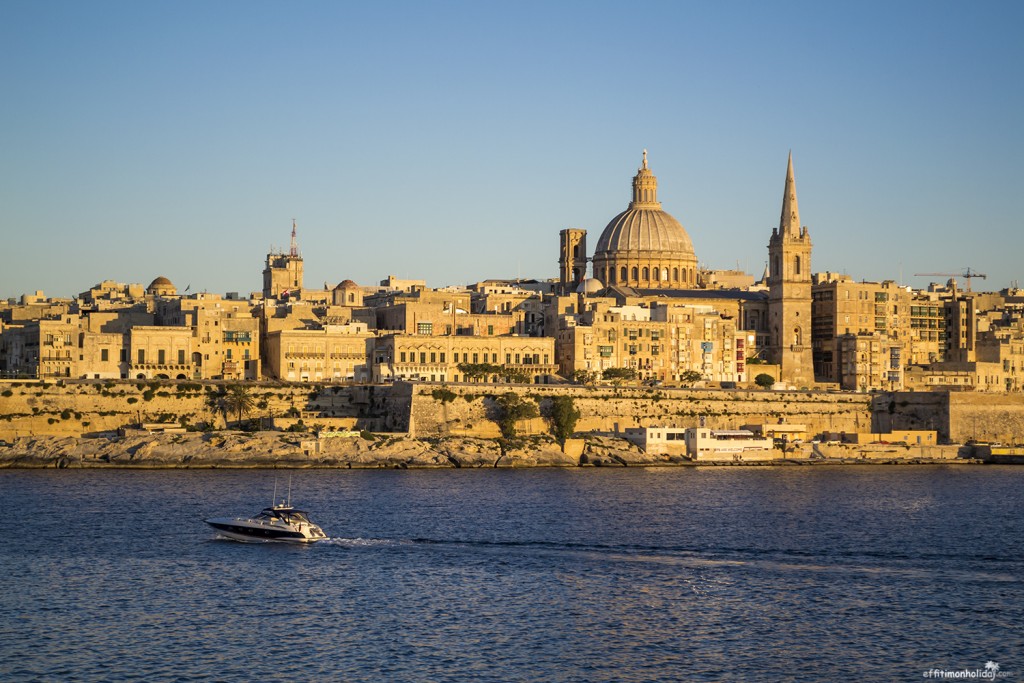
column 861, row 573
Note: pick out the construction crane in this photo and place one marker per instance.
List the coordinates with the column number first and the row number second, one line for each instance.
column 968, row 274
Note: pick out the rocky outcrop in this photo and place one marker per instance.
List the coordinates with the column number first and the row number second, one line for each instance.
column 225, row 449
column 279, row 449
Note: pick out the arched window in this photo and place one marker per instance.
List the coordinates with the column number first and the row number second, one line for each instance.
column 664, row 274
column 636, row 273
column 675, row 274
column 796, row 265
column 684, row 276
column 797, row 336
column 655, row 274
column 647, row 274
column 622, row 274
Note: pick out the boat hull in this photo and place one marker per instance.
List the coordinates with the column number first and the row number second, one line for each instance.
column 242, row 530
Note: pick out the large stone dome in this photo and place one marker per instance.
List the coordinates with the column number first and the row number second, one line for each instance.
column 644, row 246
column 645, row 230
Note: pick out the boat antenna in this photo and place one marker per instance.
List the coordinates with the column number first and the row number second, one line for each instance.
column 289, row 501
column 273, row 501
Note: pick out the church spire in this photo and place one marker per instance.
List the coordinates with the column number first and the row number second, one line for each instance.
column 294, row 248
column 789, row 223
column 645, row 188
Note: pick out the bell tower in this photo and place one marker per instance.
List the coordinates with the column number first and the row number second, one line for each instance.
column 283, row 272
column 789, row 292
column 572, row 259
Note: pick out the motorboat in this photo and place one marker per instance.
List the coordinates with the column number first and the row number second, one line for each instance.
column 279, row 522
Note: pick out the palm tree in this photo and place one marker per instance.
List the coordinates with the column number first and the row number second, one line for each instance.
column 239, row 400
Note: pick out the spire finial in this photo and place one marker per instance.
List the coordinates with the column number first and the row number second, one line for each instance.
column 645, row 158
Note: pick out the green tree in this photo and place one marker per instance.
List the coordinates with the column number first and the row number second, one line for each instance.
column 619, row 375
column 515, row 375
column 473, row 371
column 238, row 399
column 690, row 376
column 564, row 416
column 511, row 408
column 764, row 380
column 584, row 377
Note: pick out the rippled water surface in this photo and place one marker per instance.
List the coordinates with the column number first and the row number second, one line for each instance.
column 775, row 574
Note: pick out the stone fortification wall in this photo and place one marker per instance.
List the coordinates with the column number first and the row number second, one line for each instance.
column 609, row 410
column 81, row 408
column 958, row 416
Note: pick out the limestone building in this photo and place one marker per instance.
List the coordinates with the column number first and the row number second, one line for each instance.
column 437, row 358
column 331, row 353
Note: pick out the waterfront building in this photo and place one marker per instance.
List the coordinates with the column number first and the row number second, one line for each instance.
column 160, row 352
column 332, row 353
column 667, row 341
column 226, row 339
column 437, row 358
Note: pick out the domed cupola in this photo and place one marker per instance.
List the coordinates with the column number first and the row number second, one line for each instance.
column 645, row 247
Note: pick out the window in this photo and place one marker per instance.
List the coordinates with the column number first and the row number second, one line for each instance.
column 622, row 274
column 476, row 357
column 675, row 274
column 103, row 355
column 181, row 356
column 647, row 274
column 424, row 328
column 442, row 356
column 490, row 329
column 227, row 354
column 423, row 357
column 636, row 273
column 142, row 356
column 433, row 357
column 401, row 357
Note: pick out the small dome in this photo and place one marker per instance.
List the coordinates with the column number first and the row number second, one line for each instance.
column 590, row 286
column 348, row 284
column 161, row 286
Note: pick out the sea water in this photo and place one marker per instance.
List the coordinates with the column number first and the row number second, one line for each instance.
column 691, row 574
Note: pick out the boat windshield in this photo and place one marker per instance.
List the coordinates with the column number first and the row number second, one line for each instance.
column 295, row 516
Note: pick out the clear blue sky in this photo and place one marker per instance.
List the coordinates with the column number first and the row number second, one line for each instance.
column 451, row 141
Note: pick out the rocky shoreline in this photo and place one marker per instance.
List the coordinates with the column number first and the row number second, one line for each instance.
column 228, row 449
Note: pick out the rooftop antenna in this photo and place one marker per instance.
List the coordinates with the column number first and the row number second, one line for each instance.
column 294, row 251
